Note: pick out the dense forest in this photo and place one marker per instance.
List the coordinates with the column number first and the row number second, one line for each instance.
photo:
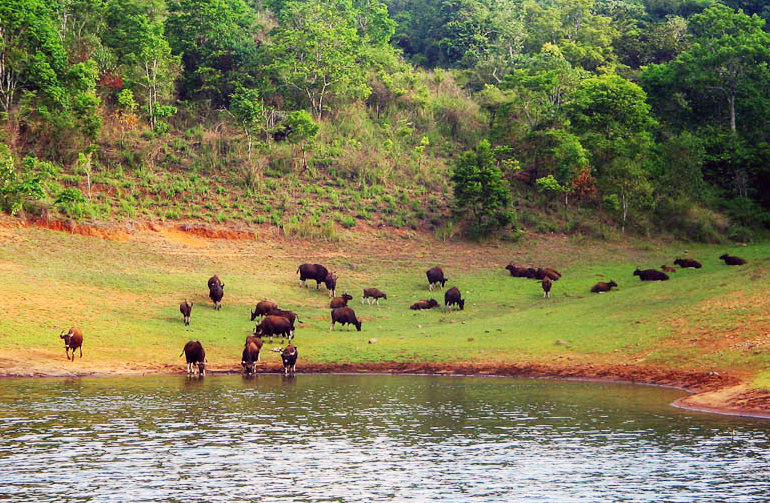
column 486, row 117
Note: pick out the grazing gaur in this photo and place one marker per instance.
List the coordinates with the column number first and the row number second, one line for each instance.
column 215, row 294
column 274, row 325
column 73, row 339
column 331, row 284
column 685, row 263
column 424, row 304
column 312, row 271
column 435, row 276
column 373, row 293
column 651, row 275
column 289, row 357
column 263, row 308
column 602, row 287
column 666, row 268
column 452, row 298
column 186, row 308
column 344, row 316
column 289, row 315
column 547, row 272
column 195, row 355
column 340, row 301
column 732, row 259
column 546, row 284
column 214, row 280
column 250, row 355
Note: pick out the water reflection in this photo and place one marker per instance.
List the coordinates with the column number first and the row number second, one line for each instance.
column 368, row 438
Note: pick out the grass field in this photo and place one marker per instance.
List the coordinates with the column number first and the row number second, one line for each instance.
column 125, row 296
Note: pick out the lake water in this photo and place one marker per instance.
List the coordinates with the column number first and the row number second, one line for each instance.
column 370, row 438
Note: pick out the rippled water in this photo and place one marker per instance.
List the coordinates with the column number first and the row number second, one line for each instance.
column 367, row 439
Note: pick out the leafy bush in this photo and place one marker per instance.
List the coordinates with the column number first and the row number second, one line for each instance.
column 480, row 191
column 347, row 221
column 312, row 229
column 71, row 202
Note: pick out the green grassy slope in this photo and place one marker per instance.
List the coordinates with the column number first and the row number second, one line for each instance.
column 125, row 297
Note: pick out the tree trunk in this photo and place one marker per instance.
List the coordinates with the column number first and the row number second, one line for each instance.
column 8, row 78
column 731, row 103
column 624, row 204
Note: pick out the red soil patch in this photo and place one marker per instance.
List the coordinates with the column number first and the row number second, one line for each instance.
column 71, row 227
column 216, row 233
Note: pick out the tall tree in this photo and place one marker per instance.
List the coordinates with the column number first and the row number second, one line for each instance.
column 480, row 190
column 611, row 116
column 728, row 59
column 136, row 35
column 216, row 42
column 31, row 53
column 317, row 52
column 732, row 51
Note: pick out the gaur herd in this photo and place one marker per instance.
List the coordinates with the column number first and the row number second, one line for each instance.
column 275, row 321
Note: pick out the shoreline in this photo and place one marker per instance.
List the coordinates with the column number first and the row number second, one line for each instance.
column 708, row 392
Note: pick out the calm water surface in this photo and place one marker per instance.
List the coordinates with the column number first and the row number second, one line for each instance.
column 367, row 439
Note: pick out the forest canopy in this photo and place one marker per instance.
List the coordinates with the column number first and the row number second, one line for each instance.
column 653, row 114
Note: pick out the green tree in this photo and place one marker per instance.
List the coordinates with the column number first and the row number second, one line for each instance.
column 317, row 51
column 611, row 116
column 136, row 34
column 31, row 54
column 481, row 191
column 302, row 132
column 724, row 72
column 729, row 55
column 216, row 42
column 249, row 111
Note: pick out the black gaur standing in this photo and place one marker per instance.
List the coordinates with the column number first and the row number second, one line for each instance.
column 344, row 316
column 289, row 357
column 546, row 284
column 435, row 276
column 195, row 355
column 452, row 297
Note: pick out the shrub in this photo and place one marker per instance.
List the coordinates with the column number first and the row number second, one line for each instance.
column 347, row 221
column 311, row 229
column 71, row 202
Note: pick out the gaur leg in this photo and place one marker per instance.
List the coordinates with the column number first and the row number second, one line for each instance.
column 81, row 351
column 332, row 327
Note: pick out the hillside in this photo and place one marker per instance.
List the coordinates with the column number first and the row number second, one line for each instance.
column 316, row 116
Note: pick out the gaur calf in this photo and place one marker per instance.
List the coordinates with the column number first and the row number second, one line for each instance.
column 602, row 287
column 186, row 308
column 373, row 293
